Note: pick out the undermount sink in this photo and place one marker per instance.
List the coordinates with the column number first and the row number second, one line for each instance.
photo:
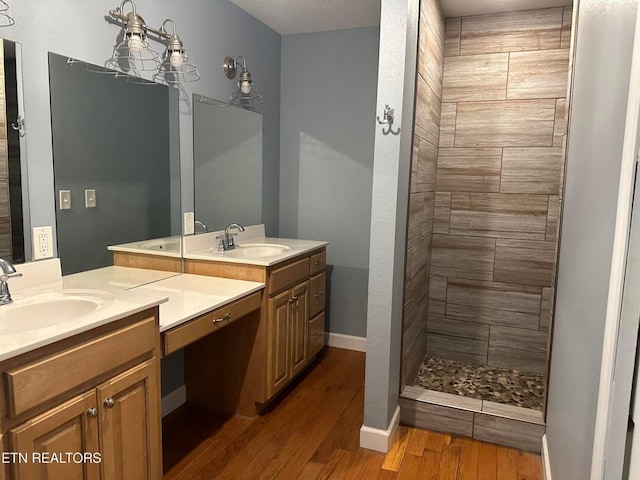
column 256, row 250
column 45, row 309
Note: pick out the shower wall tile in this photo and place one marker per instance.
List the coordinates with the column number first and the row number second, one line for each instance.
column 524, row 262
column 469, row 169
column 432, row 12
column 426, row 166
column 437, row 295
column 510, row 123
column 430, row 57
column 518, row 338
column 427, row 118
column 567, row 17
column 505, row 431
column 499, row 215
column 511, row 32
column 462, row 257
column 456, row 328
column 538, row 74
column 436, row 417
column 468, row 350
column 448, row 124
column 560, row 123
column 442, row 212
column 531, row 170
column 546, row 309
column 475, row 77
column 452, row 37
column 516, row 359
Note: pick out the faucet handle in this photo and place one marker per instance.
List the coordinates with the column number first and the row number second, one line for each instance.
column 220, row 239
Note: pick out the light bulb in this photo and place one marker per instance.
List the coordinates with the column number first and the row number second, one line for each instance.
column 245, row 87
column 175, row 59
column 135, row 43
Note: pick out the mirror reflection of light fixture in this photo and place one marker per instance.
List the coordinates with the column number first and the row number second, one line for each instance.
column 245, row 94
column 5, row 15
column 134, row 54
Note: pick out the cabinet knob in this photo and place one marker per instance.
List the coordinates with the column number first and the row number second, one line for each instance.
column 92, row 412
column 317, row 336
column 317, row 262
column 109, row 402
column 226, row 316
column 318, row 294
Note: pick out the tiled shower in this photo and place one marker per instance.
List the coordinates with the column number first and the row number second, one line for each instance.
column 486, row 191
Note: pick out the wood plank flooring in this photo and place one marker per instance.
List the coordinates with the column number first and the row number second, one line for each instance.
column 312, row 433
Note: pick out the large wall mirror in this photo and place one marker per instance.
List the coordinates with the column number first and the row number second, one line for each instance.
column 227, row 157
column 115, row 159
column 13, row 198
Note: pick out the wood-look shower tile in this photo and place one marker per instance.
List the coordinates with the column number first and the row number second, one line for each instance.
column 430, row 53
column 533, row 170
column 426, row 166
column 441, row 212
column 452, row 37
column 509, row 123
column 538, row 74
column 427, row 115
column 511, row 32
column 518, row 338
column 417, row 218
column 505, row 431
column 553, row 218
column 462, row 257
column 432, row 11
column 498, row 215
column 546, row 308
column 567, row 18
column 525, row 360
column 511, row 411
column 448, row 125
column 493, row 303
column 437, row 288
column 457, row 328
column 436, row 417
column 419, row 394
column 560, row 123
column 469, row 170
column 470, row 350
column 473, row 78
column 524, row 262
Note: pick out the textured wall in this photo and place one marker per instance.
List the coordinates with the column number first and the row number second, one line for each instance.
column 422, row 192
column 498, row 187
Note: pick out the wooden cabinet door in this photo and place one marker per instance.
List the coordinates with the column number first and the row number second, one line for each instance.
column 298, row 334
column 130, row 421
column 70, row 428
column 279, row 363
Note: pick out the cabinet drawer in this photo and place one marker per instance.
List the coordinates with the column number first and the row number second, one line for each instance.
column 316, row 334
column 318, row 262
column 317, row 289
column 183, row 335
column 288, row 276
column 37, row 382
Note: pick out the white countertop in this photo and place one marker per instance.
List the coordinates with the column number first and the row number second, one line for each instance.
column 165, row 247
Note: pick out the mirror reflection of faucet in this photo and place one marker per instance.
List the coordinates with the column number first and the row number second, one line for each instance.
column 202, row 226
column 7, row 270
column 225, row 241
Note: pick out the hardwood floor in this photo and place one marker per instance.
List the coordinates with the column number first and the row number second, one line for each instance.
column 312, row 432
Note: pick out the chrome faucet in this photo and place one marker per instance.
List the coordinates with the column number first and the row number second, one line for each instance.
column 202, row 225
column 226, row 240
column 7, row 270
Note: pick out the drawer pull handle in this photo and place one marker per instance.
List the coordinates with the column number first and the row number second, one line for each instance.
column 109, row 402
column 293, row 299
column 319, row 294
column 226, row 316
column 317, row 262
column 92, row 412
column 317, row 336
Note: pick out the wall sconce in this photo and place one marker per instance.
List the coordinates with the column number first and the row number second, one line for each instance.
column 134, row 54
column 245, row 94
column 5, row 15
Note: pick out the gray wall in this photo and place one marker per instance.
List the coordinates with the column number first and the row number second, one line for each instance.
column 326, row 141
column 601, row 71
column 209, row 29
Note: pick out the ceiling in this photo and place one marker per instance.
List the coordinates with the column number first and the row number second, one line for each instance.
column 304, row 16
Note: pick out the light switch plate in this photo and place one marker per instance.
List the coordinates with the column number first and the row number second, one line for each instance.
column 90, row 198
column 65, row 200
column 42, row 242
column 189, row 223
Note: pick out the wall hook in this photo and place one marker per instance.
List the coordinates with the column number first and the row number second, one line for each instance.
column 19, row 125
column 387, row 119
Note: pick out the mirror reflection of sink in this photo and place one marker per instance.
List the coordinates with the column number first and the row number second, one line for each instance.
column 255, row 250
column 162, row 244
column 45, row 309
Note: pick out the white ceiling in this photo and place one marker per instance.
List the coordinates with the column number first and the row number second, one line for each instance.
column 305, row 16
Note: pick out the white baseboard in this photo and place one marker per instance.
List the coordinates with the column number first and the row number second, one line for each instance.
column 174, row 400
column 546, row 466
column 348, row 342
column 380, row 440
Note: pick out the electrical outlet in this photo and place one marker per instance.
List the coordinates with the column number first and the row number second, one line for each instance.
column 42, row 242
column 189, row 223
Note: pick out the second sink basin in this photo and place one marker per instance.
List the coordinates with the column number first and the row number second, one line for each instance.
column 50, row 308
column 256, row 250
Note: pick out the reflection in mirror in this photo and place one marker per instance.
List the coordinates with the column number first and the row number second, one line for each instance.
column 116, row 160
column 227, row 157
column 12, row 245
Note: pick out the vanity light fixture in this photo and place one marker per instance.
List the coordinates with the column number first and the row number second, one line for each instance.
column 245, row 94
column 134, row 54
column 5, row 15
